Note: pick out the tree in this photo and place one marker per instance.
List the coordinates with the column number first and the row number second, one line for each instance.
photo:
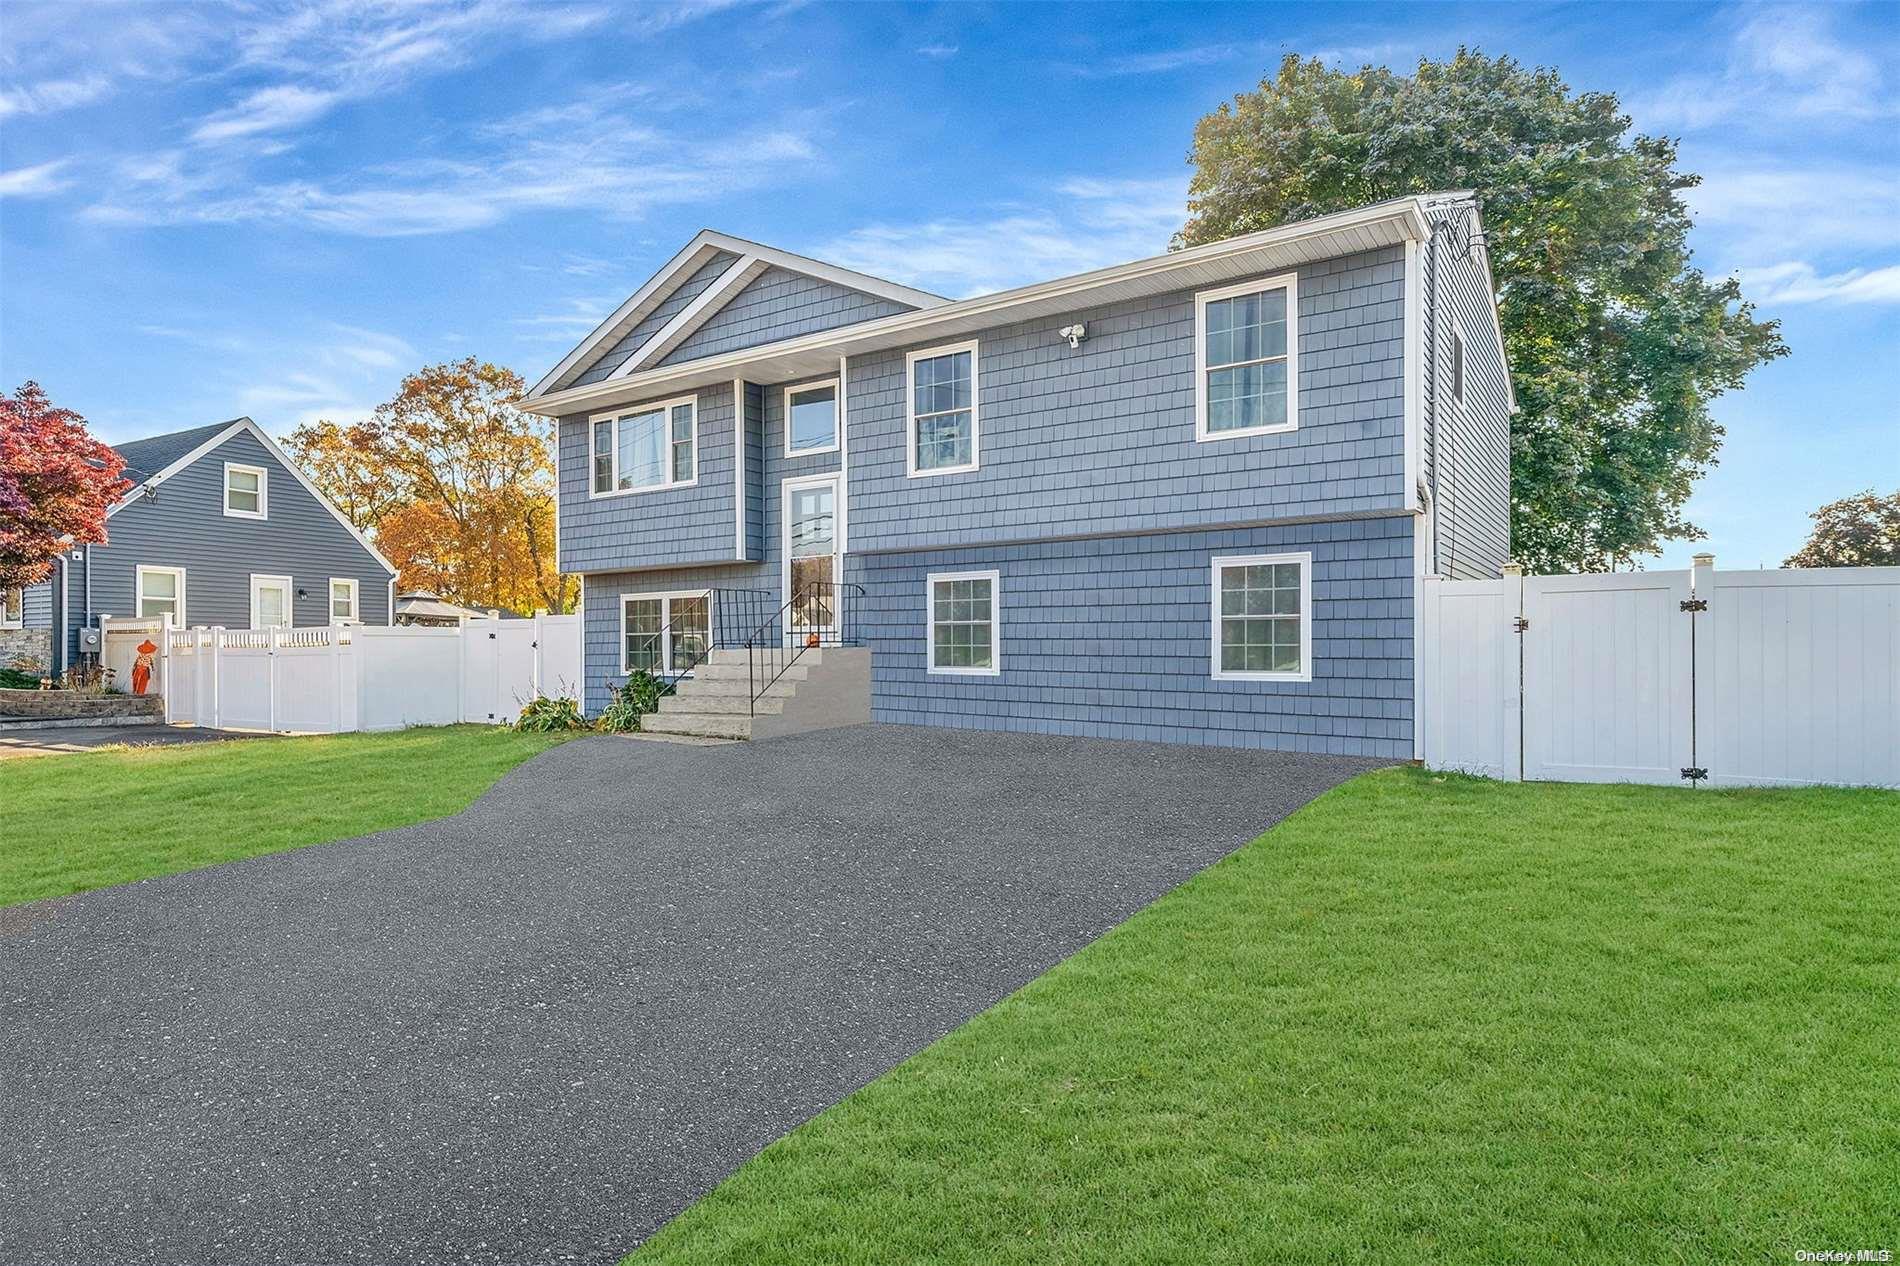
column 454, row 481
column 1617, row 342
column 56, row 484
column 1857, row 531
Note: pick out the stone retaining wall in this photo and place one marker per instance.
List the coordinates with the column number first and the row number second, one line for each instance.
column 66, row 705
column 33, row 644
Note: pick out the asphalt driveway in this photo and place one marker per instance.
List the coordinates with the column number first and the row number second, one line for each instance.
column 537, row 1030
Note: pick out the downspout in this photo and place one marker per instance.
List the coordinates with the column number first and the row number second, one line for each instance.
column 1431, row 382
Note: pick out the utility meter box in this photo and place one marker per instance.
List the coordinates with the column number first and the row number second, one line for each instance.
column 91, row 641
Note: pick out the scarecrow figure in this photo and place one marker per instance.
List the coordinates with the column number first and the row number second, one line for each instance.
column 142, row 666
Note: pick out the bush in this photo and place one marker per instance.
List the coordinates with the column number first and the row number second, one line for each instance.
column 14, row 679
column 637, row 696
column 550, row 716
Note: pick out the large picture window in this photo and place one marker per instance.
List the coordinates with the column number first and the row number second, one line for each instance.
column 1263, row 617
column 160, row 591
column 664, row 632
column 643, row 448
column 942, row 410
column 963, row 632
column 1246, row 360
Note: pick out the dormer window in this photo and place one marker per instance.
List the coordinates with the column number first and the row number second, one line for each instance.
column 643, row 448
column 246, row 491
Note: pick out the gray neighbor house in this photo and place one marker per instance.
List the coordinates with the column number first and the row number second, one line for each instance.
column 218, row 528
column 1191, row 498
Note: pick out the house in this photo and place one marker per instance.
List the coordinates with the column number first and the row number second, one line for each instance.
column 1191, row 498
column 219, row 527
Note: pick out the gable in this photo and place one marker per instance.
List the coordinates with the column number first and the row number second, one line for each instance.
column 147, row 457
column 671, row 306
column 779, row 304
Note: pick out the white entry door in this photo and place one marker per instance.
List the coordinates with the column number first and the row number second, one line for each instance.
column 270, row 602
column 811, row 570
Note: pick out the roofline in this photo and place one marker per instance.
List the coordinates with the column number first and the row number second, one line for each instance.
column 283, row 459
column 675, row 271
column 915, row 326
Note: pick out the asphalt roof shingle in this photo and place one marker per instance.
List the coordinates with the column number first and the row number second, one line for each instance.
column 145, row 458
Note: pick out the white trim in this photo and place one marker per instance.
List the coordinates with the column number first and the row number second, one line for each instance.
column 665, row 409
column 290, row 598
column 390, row 620
column 910, row 409
column 665, row 598
column 263, row 491
column 741, row 273
column 356, row 601
column 1414, row 374
column 1153, row 275
column 931, row 668
column 738, row 469
column 844, row 461
column 282, row 458
column 837, row 420
column 138, row 591
column 1220, row 563
column 16, row 621
column 1288, row 282
column 785, row 486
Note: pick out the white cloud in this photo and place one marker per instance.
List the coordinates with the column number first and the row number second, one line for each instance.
column 1085, row 223
column 938, row 51
column 267, row 110
column 34, row 182
column 1758, row 210
column 1161, row 61
column 1797, row 282
column 52, row 95
column 1782, row 66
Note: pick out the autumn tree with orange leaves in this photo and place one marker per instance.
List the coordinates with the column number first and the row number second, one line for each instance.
column 455, row 483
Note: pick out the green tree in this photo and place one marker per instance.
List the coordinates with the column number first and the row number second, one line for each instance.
column 1617, row 342
column 1857, row 531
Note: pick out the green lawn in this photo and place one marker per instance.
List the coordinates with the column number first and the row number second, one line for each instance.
column 68, row 823
column 1426, row 1019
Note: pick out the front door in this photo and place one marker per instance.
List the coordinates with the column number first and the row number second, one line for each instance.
column 811, row 559
column 270, row 602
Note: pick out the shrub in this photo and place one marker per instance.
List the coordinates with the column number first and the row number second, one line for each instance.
column 637, row 696
column 550, row 716
column 14, row 679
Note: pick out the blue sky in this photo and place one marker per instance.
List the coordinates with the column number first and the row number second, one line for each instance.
column 278, row 209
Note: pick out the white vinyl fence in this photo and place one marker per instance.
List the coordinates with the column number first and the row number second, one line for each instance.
column 340, row 678
column 1706, row 677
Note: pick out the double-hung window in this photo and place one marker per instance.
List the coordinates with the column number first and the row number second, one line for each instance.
column 12, row 608
column 1246, row 360
column 963, row 623
column 160, row 591
column 664, row 632
column 1263, row 617
column 645, row 447
column 811, row 418
column 342, row 600
column 942, row 410
column 246, row 491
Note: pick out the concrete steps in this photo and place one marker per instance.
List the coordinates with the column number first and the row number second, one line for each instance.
column 824, row 688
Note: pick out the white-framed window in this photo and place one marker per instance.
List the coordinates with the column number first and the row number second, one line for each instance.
column 12, row 608
column 941, row 408
column 1246, row 359
column 664, row 632
column 646, row 447
column 270, row 602
column 1457, row 365
column 246, row 491
column 343, row 604
column 811, row 418
column 964, row 609
column 1263, row 617
column 159, row 591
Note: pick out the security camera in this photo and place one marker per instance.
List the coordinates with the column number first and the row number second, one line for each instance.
column 1074, row 333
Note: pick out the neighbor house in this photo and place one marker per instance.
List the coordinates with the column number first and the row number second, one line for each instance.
column 219, row 527
column 1190, row 498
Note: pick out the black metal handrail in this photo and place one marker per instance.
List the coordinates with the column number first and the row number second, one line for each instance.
column 819, row 613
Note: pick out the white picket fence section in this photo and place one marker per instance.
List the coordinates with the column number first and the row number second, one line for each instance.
column 341, row 678
column 1711, row 678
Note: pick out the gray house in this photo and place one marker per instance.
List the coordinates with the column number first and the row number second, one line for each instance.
column 218, row 528
column 1190, row 498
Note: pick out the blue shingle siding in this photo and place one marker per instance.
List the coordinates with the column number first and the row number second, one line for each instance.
column 630, row 342
column 663, row 527
column 755, row 471
column 600, row 613
column 1112, row 637
column 1100, row 439
column 1467, row 445
column 780, row 304
column 36, row 606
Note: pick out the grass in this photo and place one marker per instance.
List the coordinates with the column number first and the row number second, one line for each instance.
column 115, row 815
column 1426, row 1019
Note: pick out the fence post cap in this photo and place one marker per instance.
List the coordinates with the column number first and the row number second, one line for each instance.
column 1704, row 560
column 1513, row 569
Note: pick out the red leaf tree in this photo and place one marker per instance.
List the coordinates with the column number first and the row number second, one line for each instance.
column 56, row 483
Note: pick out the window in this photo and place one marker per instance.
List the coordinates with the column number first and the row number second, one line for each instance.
column 651, row 446
column 12, row 608
column 246, row 491
column 270, row 602
column 1263, row 620
column 342, row 601
column 664, row 632
column 1457, row 366
column 942, row 410
column 1246, row 360
column 963, row 623
column 160, row 591
column 811, row 418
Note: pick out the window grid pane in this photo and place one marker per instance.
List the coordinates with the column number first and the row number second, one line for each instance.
column 941, row 402
column 1260, row 618
column 962, row 625
column 603, row 456
column 645, row 616
column 642, row 450
column 813, row 418
column 1246, row 361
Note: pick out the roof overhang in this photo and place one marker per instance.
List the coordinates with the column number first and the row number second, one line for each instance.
column 1215, row 263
